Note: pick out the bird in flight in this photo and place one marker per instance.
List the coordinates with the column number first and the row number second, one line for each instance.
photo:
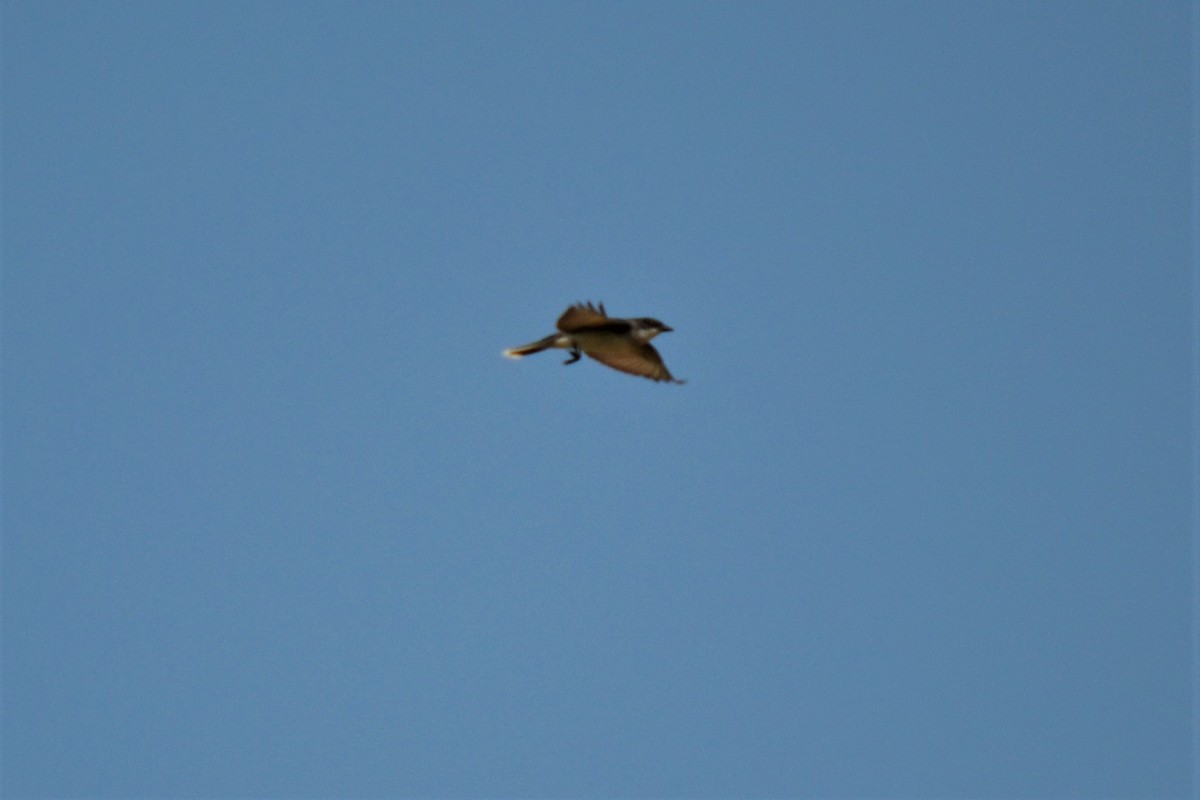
column 622, row 344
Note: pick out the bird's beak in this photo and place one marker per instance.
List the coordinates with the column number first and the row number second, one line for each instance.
column 665, row 329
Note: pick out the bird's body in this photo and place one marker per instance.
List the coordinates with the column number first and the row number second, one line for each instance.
column 623, row 344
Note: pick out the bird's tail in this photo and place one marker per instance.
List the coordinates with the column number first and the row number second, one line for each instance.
column 531, row 348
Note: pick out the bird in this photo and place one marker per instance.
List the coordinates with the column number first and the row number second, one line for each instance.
column 623, row 344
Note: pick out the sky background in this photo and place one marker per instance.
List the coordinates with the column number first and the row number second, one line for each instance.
column 279, row 521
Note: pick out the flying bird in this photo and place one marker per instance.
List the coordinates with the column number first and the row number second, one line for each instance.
column 622, row 344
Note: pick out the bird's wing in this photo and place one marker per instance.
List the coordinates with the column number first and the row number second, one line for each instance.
column 581, row 316
column 636, row 359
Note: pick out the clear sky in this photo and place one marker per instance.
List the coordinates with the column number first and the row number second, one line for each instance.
column 279, row 521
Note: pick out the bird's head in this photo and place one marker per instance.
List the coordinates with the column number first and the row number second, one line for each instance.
column 649, row 327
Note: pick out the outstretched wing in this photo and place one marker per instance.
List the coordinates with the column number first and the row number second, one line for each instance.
column 580, row 316
column 636, row 359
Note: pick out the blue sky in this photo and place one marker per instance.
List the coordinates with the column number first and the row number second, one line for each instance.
column 279, row 521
